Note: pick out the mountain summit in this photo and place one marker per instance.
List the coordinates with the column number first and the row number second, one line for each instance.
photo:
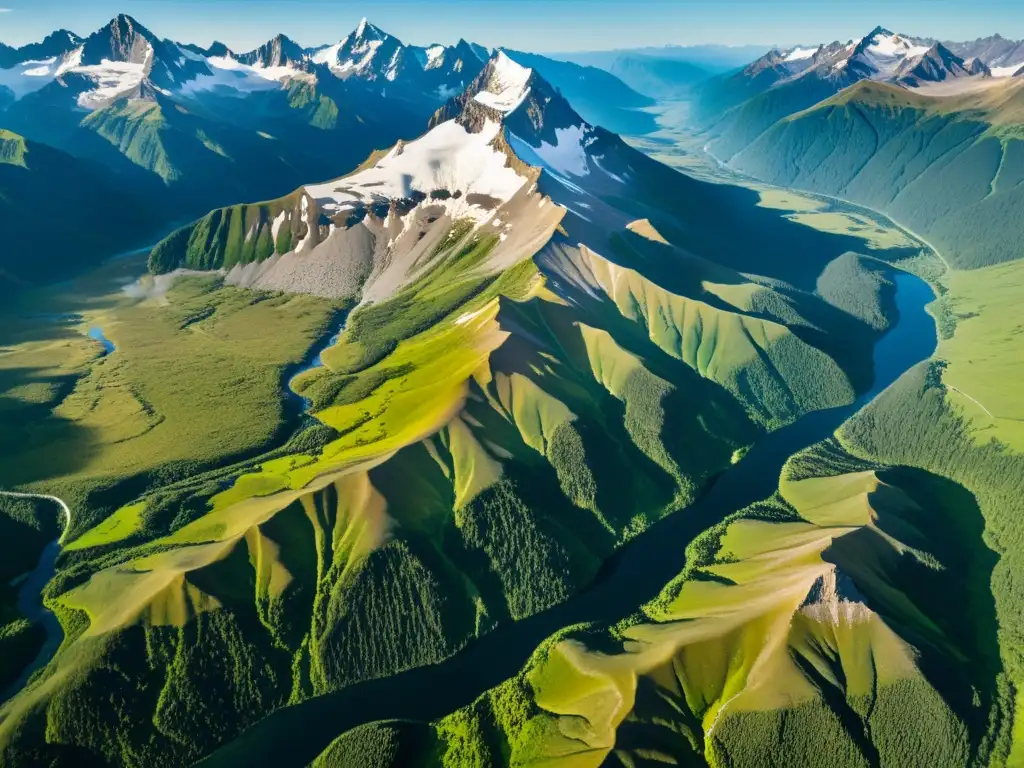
column 280, row 51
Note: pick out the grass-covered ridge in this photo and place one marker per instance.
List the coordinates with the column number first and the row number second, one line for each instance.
column 494, row 436
column 820, row 626
column 239, row 234
column 945, row 166
column 520, row 392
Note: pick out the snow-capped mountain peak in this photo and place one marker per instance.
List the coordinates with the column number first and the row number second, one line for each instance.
column 507, row 85
column 368, row 31
column 369, row 52
column 882, row 52
column 122, row 40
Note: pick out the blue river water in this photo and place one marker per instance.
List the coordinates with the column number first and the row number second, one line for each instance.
column 314, row 360
column 97, row 333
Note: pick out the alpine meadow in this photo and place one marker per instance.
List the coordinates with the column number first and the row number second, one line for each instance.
column 372, row 404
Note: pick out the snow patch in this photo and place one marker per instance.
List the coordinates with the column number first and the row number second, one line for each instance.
column 887, row 52
column 597, row 162
column 567, row 154
column 508, row 86
column 329, row 55
column 448, row 158
column 111, row 78
column 275, row 227
column 305, row 241
column 435, row 56
column 230, row 74
column 1005, row 71
column 30, row 76
column 800, row 54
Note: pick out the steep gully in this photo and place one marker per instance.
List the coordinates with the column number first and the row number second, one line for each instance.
column 633, row 577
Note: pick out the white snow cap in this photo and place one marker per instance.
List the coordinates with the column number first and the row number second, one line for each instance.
column 448, row 157
column 508, row 87
column 29, row 76
column 800, row 54
column 109, row 79
column 112, row 78
column 435, row 56
column 227, row 73
column 360, row 49
column 886, row 51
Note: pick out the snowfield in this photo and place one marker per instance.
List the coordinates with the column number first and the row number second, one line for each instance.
column 800, row 54
column 111, row 78
column 227, row 73
column 446, row 158
column 29, row 76
column 887, row 52
column 567, row 157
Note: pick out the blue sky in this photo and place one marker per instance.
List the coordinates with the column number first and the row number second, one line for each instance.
column 538, row 25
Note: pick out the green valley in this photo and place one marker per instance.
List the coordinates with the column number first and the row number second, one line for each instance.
column 446, row 427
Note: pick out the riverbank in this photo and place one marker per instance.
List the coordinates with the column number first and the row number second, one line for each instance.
column 30, row 600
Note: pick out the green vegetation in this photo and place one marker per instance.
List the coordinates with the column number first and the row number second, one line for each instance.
column 846, row 621
column 376, row 745
column 26, row 526
column 100, row 431
column 225, row 237
column 97, row 216
column 858, row 286
column 492, row 445
column 479, row 444
column 915, row 425
column 949, row 167
column 985, row 354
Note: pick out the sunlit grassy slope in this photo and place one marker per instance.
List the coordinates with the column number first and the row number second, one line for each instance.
column 810, row 629
column 195, row 379
column 986, row 353
column 488, row 437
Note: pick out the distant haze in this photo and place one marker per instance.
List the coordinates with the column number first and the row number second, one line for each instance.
column 533, row 25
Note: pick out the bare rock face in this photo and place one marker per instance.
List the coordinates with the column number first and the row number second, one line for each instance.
column 123, row 39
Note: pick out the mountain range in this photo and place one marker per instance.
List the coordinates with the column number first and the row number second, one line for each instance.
column 552, row 348
column 902, row 125
column 188, row 128
column 740, row 106
column 570, row 458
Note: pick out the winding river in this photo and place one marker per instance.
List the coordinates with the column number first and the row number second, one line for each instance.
column 30, row 598
column 314, row 359
column 635, row 575
column 96, row 333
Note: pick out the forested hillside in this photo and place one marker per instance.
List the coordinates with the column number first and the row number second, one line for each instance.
column 950, row 168
column 61, row 214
